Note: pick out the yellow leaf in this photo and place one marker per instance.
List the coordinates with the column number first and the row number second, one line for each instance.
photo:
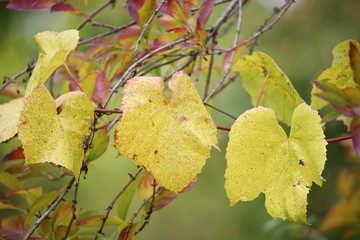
column 262, row 158
column 279, row 94
column 9, row 117
column 49, row 137
column 170, row 137
column 53, row 50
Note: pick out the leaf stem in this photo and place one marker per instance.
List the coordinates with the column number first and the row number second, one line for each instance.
column 103, row 110
column 73, row 78
column 223, row 128
column 261, row 91
column 331, row 140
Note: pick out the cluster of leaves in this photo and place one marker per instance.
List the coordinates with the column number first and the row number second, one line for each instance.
column 169, row 137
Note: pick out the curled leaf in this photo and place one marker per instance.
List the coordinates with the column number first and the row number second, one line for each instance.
column 53, row 50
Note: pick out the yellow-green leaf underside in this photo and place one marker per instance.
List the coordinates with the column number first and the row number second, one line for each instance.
column 9, row 117
column 340, row 73
column 53, row 50
column 49, row 137
column 172, row 137
column 262, row 158
column 279, row 94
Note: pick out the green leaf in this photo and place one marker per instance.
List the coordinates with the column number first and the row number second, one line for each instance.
column 9, row 118
column 63, row 212
column 262, row 158
column 4, row 204
column 169, row 137
column 40, row 203
column 145, row 12
column 96, row 220
column 30, row 195
column 279, row 94
column 49, row 137
column 100, row 144
column 53, row 50
column 10, row 181
column 340, row 73
column 124, row 201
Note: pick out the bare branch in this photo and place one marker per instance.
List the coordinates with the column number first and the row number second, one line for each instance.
column 236, row 39
column 111, row 205
column 51, row 208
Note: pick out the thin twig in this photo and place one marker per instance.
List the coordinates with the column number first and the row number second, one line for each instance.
column 95, row 12
column 12, row 79
column 156, row 66
column 217, row 109
column 208, row 78
column 338, row 139
column 122, row 80
column 113, row 122
column 184, row 65
column 138, row 210
column 151, row 208
column 115, row 30
column 145, row 27
column 236, row 38
column 51, row 208
column 111, row 205
column 101, row 110
column 74, row 202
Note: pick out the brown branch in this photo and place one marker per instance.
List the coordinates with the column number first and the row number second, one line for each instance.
column 51, row 208
column 151, row 208
column 221, row 111
column 236, row 38
column 184, row 65
column 74, row 202
column 103, row 110
column 95, row 12
column 123, row 79
column 127, row 231
column 111, row 205
column 12, row 79
column 145, row 27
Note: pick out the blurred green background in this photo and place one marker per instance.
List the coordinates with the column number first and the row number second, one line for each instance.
column 300, row 43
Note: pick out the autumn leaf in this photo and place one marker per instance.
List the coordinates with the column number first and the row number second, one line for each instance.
column 53, row 50
column 30, row 4
column 262, row 158
column 279, row 94
column 9, row 117
column 343, row 71
column 49, row 137
column 169, row 137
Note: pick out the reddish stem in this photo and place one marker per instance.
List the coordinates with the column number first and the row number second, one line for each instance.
column 261, row 91
column 73, row 78
column 338, row 139
column 108, row 110
column 223, row 128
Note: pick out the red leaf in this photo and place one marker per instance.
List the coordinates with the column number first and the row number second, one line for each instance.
column 205, row 12
column 30, row 4
column 355, row 133
column 177, row 11
column 64, row 7
column 13, row 227
column 16, row 154
column 133, row 7
column 180, row 31
column 355, row 61
column 101, row 88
